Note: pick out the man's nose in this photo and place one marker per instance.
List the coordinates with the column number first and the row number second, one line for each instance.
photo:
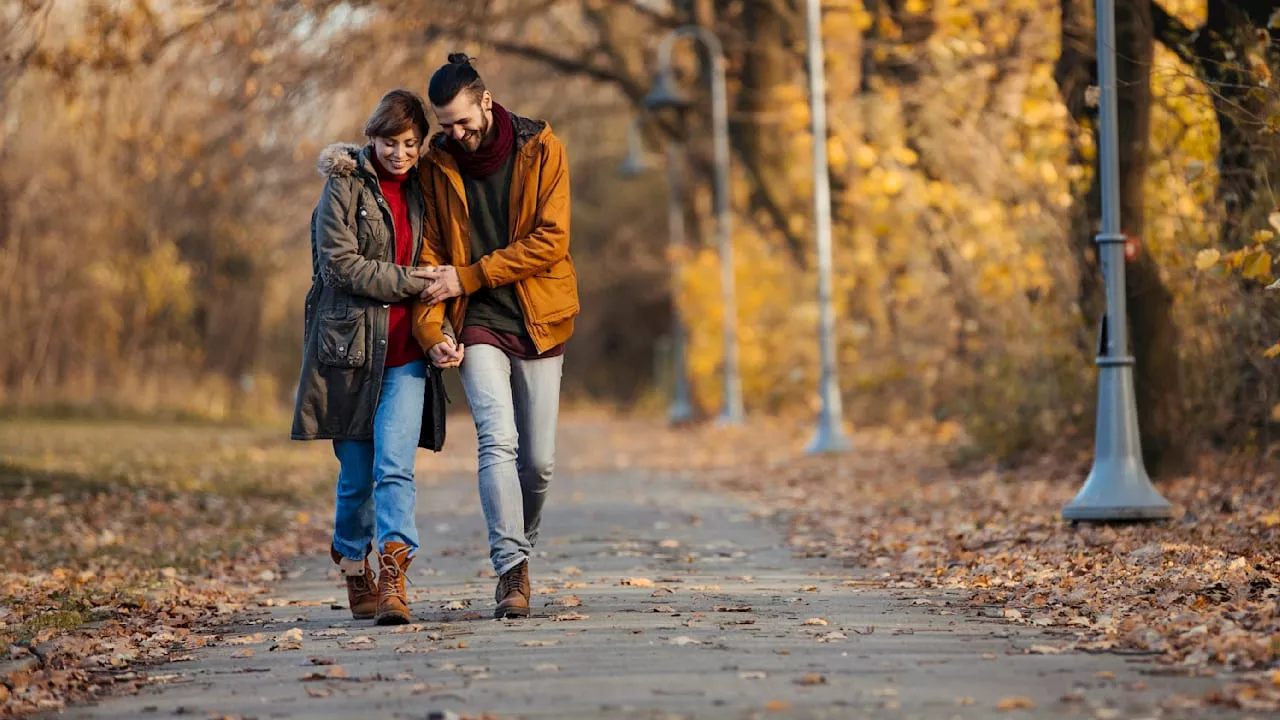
column 458, row 132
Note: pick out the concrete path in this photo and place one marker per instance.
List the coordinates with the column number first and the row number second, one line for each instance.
column 720, row 621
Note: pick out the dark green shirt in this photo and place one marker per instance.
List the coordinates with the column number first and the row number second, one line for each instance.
column 488, row 204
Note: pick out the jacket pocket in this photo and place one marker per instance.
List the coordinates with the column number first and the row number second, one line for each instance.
column 554, row 293
column 341, row 336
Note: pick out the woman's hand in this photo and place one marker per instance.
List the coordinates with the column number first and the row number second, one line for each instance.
column 446, row 354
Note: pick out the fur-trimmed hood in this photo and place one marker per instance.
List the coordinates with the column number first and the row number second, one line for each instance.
column 339, row 160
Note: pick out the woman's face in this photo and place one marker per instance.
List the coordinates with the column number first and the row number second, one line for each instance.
column 400, row 153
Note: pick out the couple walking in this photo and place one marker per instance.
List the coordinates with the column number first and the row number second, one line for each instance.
column 451, row 251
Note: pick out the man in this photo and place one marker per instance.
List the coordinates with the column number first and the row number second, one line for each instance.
column 497, row 242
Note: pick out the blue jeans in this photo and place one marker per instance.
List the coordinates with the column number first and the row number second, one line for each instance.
column 375, row 480
column 515, row 404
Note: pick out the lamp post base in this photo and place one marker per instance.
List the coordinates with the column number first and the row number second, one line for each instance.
column 829, row 438
column 680, row 412
column 1118, row 487
column 731, row 417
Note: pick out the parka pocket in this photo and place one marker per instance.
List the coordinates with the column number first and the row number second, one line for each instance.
column 553, row 293
column 341, row 336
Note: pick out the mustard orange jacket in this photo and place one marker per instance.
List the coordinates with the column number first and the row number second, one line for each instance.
column 536, row 259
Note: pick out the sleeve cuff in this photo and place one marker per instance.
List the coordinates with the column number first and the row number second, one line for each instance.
column 471, row 278
column 431, row 335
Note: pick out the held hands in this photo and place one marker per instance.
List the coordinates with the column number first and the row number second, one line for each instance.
column 446, row 354
column 444, row 283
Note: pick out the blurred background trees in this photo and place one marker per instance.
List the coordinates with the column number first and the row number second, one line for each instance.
column 157, row 172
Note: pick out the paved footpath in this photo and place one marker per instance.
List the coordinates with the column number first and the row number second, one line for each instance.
column 720, row 621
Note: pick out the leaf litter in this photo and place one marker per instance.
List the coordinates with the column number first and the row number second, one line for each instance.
column 1200, row 591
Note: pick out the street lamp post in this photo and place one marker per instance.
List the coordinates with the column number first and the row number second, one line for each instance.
column 681, row 410
column 829, row 436
column 1118, row 487
column 663, row 94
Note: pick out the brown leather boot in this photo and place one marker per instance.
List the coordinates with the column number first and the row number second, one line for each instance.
column 393, row 607
column 513, row 593
column 362, row 589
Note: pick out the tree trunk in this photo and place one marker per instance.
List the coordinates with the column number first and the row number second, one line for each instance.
column 1075, row 72
column 1154, row 332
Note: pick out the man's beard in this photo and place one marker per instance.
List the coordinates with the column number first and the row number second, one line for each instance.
column 480, row 134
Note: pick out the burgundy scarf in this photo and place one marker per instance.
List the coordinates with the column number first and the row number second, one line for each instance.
column 490, row 157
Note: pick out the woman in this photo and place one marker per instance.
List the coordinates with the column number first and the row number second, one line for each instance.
column 364, row 376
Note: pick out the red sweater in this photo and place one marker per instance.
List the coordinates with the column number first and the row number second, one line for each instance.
column 402, row 348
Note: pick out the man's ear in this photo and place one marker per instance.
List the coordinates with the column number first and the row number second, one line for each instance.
column 486, row 101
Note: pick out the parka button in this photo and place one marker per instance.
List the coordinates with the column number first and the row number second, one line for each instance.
column 386, row 305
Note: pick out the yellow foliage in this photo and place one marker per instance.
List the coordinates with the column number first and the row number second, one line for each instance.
column 1207, row 258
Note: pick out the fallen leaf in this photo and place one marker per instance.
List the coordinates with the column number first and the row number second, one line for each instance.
column 540, row 643
column 334, row 672
column 455, row 605
column 291, row 635
column 571, row 571
column 1018, row 702
column 683, row 640
column 569, row 616
column 568, row 601
column 1105, row 675
column 733, row 609
column 777, row 706
column 319, row 692
column 1045, row 650
column 663, row 609
column 811, row 679
column 638, row 582
column 245, row 653
column 752, row 675
column 253, row 639
column 815, row 621
column 546, row 667
column 330, row 633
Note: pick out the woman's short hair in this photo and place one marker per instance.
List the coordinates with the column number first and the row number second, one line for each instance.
column 397, row 112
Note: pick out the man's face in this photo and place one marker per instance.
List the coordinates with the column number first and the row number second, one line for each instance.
column 466, row 118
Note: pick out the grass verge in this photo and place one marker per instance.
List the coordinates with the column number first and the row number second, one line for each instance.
column 121, row 540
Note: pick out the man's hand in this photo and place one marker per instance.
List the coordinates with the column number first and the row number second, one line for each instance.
column 444, row 283
column 446, row 354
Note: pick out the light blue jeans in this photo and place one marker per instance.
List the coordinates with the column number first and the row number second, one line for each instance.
column 515, row 404
column 375, row 480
